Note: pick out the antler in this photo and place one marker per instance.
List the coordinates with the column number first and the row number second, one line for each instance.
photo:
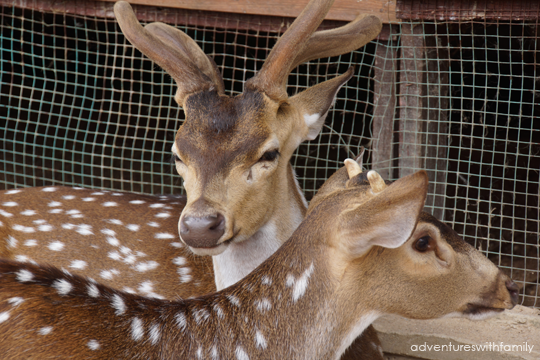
column 300, row 44
column 340, row 40
column 273, row 74
column 173, row 50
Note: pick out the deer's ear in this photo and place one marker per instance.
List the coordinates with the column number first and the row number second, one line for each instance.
column 387, row 219
column 315, row 102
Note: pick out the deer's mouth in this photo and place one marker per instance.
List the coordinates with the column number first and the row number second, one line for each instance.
column 480, row 311
column 212, row 250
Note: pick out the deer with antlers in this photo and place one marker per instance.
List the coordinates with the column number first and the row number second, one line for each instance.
column 243, row 200
column 365, row 249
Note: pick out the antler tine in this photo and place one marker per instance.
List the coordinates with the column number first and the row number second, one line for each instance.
column 179, row 65
column 340, row 40
column 376, row 181
column 272, row 77
column 176, row 38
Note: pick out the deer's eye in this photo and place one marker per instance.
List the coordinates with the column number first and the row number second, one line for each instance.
column 175, row 159
column 269, row 156
column 424, row 244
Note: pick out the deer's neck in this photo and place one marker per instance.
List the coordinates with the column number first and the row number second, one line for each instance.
column 241, row 258
column 294, row 294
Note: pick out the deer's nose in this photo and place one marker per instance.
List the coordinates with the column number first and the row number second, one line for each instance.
column 202, row 232
column 513, row 289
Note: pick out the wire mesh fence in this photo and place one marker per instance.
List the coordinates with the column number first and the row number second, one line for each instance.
column 460, row 98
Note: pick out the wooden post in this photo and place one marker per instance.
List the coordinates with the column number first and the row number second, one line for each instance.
column 437, row 127
column 384, row 109
column 423, row 112
column 412, row 90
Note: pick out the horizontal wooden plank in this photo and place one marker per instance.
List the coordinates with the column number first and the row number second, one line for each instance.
column 344, row 10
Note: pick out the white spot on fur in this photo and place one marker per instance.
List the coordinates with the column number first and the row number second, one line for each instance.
column 30, row 242
column 10, row 204
column 28, row 212
column 49, row 189
column 185, row 274
column 68, row 197
column 11, row 242
column 263, row 305
column 24, row 229
column 177, row 245
column 88, row 199
column 137, row 202
column 234, row 300
column 56, row 246
column 146, row 266
column 199, row 353
column 4, row 316
column 219, row 311
column 97, row 193
column 62, row 286
column 180, row 261
column 260, row 341
column 200, row 315
column 289, row 281
column 115, row 221
column 93, row 291
column 155, row 334
column 153, row 224
column 108, row 274
column 78, row 264
column 45, row 330
column 55, row 204
column 155, row 206
column 164, row 236
column 163, row 215
column 5, row 213
column 84, row 229
column 108, row 232
column 22, row 258
column 241, row 354
column 302, row 283
column 113, row 241
column 137, row 329
column 55, row 211
column 181, row 321
column 133, row 227
column 24, row 275
column 109, row 204
column 14, row 191
column 39, row 221
column 118, row 304
column 214, row 353
column 115, row 255
column 45, row 227
column 266, row 280
column 16, row 301
column 93, row 345
column 128, row 290
column 68, row 226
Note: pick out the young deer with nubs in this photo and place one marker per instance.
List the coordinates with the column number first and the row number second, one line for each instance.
column 365, row 249
column 243, row 200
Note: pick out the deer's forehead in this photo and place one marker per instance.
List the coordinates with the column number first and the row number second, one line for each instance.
column 211, row 113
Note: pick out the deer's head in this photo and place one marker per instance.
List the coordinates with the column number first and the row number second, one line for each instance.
column 383, row 227
column 233, row 152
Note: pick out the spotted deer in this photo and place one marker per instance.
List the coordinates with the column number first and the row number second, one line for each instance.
column 365, row 249
column 243, row 200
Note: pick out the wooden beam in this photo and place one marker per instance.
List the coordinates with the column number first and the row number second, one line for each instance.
column 344, row 10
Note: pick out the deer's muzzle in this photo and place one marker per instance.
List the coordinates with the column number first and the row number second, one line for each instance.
column 202, row 232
